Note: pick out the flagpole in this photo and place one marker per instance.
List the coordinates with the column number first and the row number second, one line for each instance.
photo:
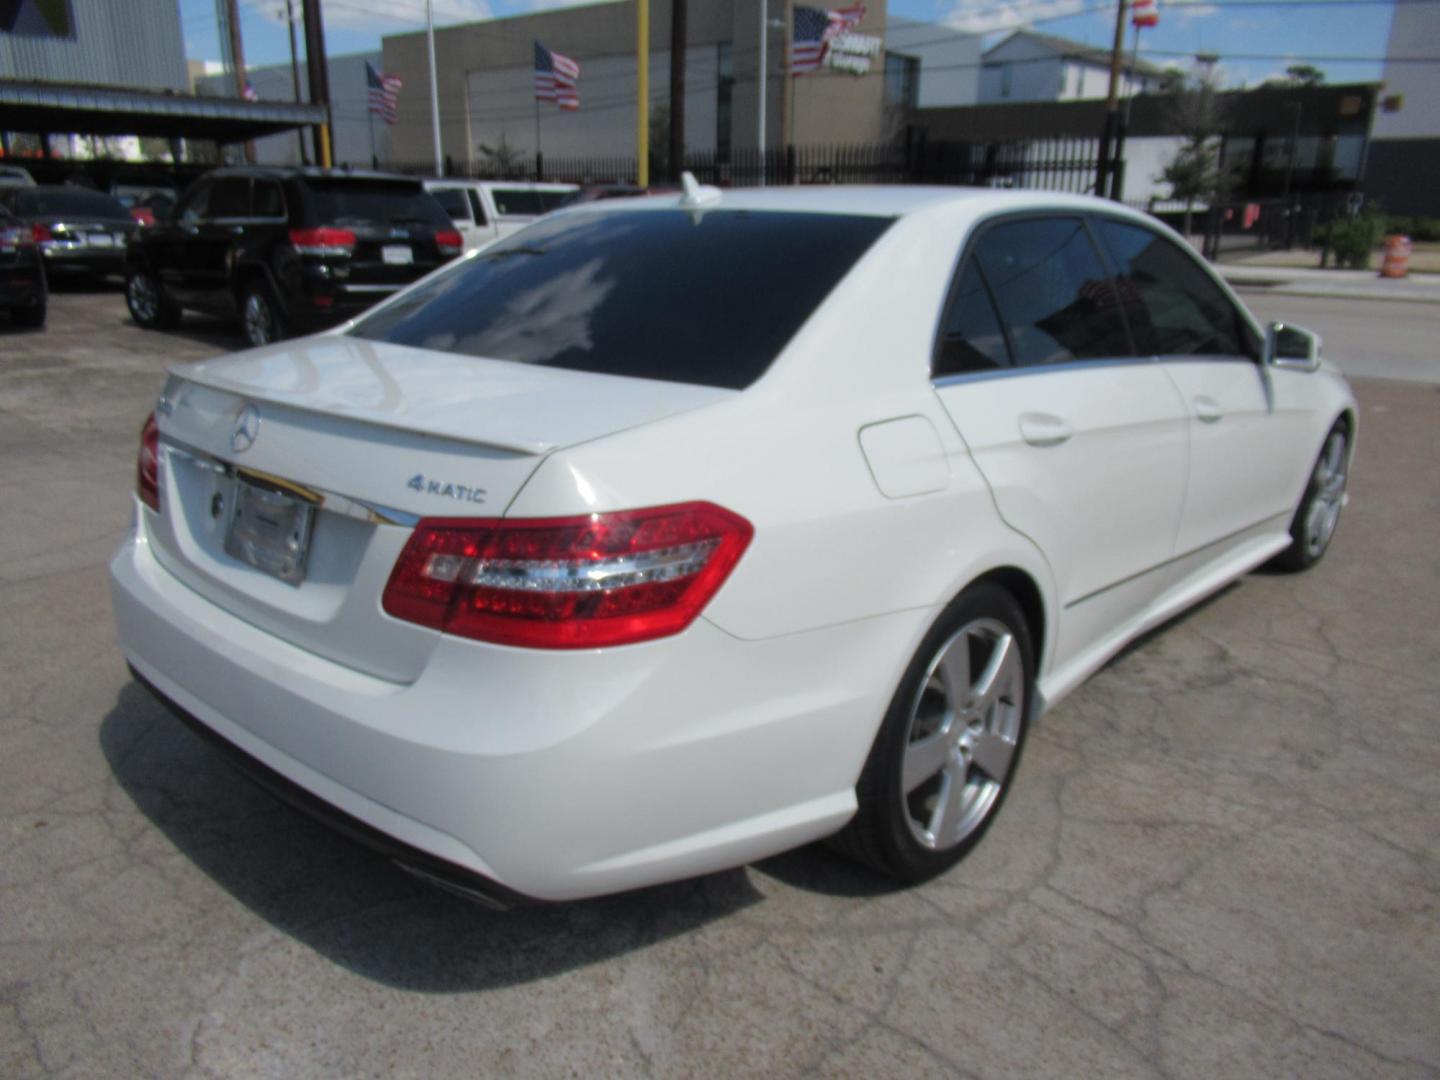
column 787, row 97
column 764, row 73
column 642, row 92
column 374, row 158
column 538, row 151
column 434, row 92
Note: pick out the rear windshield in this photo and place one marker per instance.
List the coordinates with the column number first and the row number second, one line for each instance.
column 522, row 201
column 67, row 202
column 375, row 202
column 708, row 299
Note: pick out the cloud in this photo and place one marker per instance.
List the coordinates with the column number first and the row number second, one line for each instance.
column 1187, row 11
column 380, row 15
column 982, row 17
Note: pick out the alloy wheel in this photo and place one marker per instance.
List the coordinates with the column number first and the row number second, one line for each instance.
column 963, row 732
column 143, row 297
column 1329, row 487
column 259, row 320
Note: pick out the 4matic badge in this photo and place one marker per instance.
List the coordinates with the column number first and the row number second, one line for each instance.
column 427, row 486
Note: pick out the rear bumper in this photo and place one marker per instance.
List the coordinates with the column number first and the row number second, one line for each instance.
column 551, row 776
column 446, row 874
column 62, row 258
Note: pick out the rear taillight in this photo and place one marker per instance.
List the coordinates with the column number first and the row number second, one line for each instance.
column 323, row 241
column 16, row 237
column 449, row 242
column 147, row 470
column 143, row 214
column 41, row 233
column 567, row 583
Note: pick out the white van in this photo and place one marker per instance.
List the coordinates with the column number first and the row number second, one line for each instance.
column 486, row 210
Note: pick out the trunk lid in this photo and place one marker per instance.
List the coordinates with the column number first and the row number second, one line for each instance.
column 372, row 436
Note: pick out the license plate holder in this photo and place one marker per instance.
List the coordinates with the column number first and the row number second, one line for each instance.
column 270, row 530
column 397, row 255
column 101, row 240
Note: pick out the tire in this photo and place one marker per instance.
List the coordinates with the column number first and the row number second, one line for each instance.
column 937, row 734
column 32, row 317
column 1318, row 515
column 147, row 303
column 260, row 316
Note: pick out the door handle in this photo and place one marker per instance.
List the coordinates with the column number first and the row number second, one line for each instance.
column 1042, row 429
column 1207, row 410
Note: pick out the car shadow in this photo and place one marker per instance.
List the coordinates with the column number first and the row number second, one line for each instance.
column 356, row 908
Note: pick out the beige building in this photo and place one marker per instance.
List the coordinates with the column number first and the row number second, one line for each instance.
column 485, row 81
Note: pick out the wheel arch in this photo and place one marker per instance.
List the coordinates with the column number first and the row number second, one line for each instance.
column 1026, row 591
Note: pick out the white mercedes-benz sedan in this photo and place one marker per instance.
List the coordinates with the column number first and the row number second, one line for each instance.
column 671, row 533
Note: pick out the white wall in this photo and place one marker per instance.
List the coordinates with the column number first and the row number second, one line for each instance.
column 1414, row 32
column 1035, row 72
column 949, row 60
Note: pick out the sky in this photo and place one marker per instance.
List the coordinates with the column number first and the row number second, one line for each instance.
column 1254, row 38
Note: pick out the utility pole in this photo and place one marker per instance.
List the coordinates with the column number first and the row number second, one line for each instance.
column 677, row 88
column 434, row 93
column 237, row 62
column 642, row 92
column 1112, row 101
column 319, row 76
column 295, row 72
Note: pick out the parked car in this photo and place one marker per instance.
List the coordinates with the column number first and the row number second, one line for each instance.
column 486, row 210
column 597, row 192
column 147, row 203
column 22, row 274
column 79, row 232
column 15, row 176
column 672, row 533
column 286, row 250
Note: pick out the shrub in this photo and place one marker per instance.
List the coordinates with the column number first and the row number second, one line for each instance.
column 1353, row 239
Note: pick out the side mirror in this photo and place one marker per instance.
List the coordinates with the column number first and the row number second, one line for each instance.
column 1291, row 347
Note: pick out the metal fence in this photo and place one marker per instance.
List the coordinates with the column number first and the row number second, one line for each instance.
column 1055, row 164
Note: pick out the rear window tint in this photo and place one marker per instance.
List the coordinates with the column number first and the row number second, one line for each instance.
column 378, row 202
column 68, row 202
column 522, row 201
column 708, row 299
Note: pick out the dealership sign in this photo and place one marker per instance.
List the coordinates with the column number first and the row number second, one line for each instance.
column 853, row 52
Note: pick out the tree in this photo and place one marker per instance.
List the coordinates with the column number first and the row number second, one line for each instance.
column 1198, row 112
column 503, row 160
column 1304, row 75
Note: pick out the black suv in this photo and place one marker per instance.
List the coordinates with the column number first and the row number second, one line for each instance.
column 288, row 250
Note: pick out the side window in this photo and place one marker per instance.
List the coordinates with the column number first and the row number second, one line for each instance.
column 196, row 205
column 267, row 200
column 476, row 206
column 1052, row 291
column 971, row 339
column 230, row 198
column 454, row 203
column 1173, row 306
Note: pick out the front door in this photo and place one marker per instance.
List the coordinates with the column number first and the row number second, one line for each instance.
column 1081, row 441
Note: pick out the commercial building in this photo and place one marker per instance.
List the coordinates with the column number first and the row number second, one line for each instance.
column 356, row 136
column 1027, row 66
column 486, row 81
column 1277, row 138
column 111, row 70
column 1404, row 159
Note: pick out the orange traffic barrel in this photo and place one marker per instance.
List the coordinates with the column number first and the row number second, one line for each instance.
column 1397, row 257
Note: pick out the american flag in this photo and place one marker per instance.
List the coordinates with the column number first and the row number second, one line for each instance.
column 249, row 93
column 384, row 93
column 814, row 29
column 1145, row 13
column 556, row 78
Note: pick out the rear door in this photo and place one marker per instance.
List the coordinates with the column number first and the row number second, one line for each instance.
column 1082, row 441
column 209, row 242
column 1235, row 478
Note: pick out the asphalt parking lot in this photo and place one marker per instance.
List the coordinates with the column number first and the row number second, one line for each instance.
column 1221, row 857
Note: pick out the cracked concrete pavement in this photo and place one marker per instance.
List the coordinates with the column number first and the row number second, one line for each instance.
column 1221, row 856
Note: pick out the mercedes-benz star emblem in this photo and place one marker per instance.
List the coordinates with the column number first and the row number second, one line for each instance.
column 247, row 428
